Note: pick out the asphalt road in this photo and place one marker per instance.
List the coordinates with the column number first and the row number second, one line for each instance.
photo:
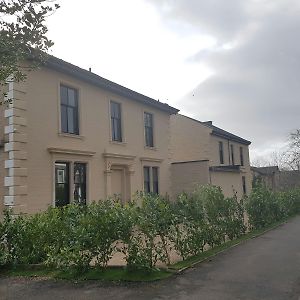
column 267, row 267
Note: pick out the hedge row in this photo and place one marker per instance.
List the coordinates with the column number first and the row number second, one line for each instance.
column 145, row 231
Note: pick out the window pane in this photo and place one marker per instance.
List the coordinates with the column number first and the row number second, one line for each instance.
column 61, row 184
column 155, row 180
column 148, row 120
column 147, row 180
column 244, row 184
column 69, row 110
column 76, row 121
column 64, row 119
column 118, row 110
column 63, row 95
column 112, row 109
column 242, row 156
column 116, row 122
column 149, row 137
column 115, row 110
column 70, row 120
column 119, row 130
column 80, row 183
column 72, row 97
column 221, row 154
column 114, row 130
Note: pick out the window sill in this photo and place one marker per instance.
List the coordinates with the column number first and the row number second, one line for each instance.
column 118, row 143
column 150, row 148
column 69, row 135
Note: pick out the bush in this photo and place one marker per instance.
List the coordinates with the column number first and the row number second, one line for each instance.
column 149, row 242
column 265, row 207
column 144, row 231
column 189, row 228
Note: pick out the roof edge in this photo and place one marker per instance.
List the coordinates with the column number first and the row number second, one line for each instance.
column 216, row 131
column 234, row 137
column 94, row 79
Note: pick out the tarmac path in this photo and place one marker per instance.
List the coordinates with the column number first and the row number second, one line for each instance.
column 267, row 267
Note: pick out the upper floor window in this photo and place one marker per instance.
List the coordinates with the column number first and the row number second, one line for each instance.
column 242, row 156
column 232, row 154
column 221, row 153
column 148, row 123
column 69, row 110
column 116, row 121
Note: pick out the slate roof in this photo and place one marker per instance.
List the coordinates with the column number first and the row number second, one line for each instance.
column 94, row 79
column 221, row 132
column 225, row 134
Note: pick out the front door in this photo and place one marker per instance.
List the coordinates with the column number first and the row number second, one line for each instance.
column 117, row 183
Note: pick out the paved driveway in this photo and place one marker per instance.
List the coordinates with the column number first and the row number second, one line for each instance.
column 267, row 267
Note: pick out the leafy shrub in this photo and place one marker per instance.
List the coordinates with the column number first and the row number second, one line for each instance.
column 145, row 231
column 189, row 228
column 149, row 242
column 265, row 207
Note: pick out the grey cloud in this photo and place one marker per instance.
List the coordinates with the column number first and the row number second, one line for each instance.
column 255, row 90
column 213, row 17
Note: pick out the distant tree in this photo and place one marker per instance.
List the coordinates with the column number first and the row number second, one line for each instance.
column 276, row 158
column 287, row 158
column 23, row 36
column 293, row 152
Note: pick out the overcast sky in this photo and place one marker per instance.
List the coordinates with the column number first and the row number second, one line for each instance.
column 234, row 62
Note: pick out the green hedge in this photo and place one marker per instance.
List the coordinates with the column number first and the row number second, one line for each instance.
column 265, row 207
column 145, row 231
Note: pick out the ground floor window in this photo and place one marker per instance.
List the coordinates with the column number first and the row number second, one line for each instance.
column 155, row 188
column 244, row 185
column 151, row 180
column 80, row 183
column 70, row 179
column 62, row 184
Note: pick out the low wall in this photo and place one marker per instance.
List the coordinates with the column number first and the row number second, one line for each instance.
column 187, row 175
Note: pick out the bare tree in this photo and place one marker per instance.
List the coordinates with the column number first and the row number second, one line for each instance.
column 276, row 158
column 293, row 152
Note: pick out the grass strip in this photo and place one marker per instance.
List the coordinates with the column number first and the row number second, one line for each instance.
column 193, row 260
column 105, row 274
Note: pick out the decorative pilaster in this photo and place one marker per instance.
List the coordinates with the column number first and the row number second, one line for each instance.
column 107, row 176
column 15, row 181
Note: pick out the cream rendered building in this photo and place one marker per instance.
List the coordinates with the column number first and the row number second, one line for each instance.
column 205, row 154
column 71, row 135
